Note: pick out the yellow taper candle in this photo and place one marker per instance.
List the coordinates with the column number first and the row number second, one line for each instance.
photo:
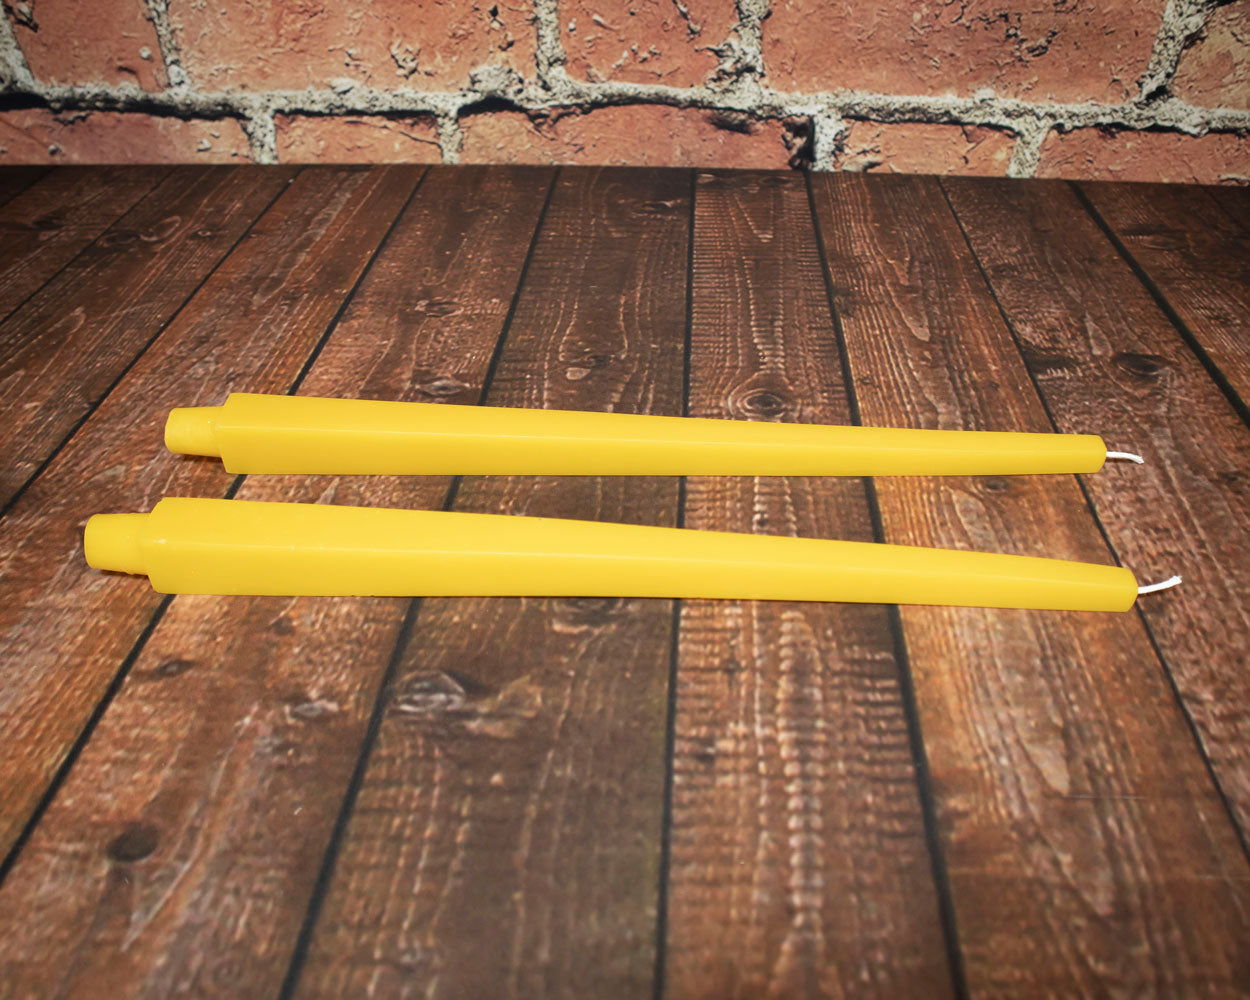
column 237, row 547
column 298, row 434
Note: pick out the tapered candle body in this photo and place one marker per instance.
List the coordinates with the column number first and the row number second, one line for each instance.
column 297, row 434
column 238, row 547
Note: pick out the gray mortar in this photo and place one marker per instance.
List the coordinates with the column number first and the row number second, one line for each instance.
column 1182, row 20
column 260, row 128
column 549, row 50
column 737, row 86
column 828, row 135
column 742, row 54
column 158, row 14
column 1027, row 150
column 449, row 136
column 15, row 75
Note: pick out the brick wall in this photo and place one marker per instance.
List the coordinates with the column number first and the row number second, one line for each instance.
column 1130, row 89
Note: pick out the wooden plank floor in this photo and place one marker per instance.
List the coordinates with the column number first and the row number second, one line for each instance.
column 627, row 798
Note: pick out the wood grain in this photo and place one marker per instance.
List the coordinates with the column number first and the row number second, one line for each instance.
column 798, row 860
column 1235, row 200
column 506, row 837
column 16, row 179
column 1198, row 257
column 65, row 628
column 1080, row 827
column 44, row 227
column 65, row 347
column 227, row 751
column 1108, row 362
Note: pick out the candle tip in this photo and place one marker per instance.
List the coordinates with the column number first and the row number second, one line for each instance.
column 1126, row 456
column 1151, row 588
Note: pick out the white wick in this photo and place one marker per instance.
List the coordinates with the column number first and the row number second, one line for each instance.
column 1126, row 456
column 1150, row 588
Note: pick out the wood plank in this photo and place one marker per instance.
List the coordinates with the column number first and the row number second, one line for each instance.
column 62, row 351
column 227, row 751
column 1199, row 259
column 66, row 629
column 1235, row 200
column 1080, row 827
column 46, row 226
column 16, row 179
column 506, row 836
column 798, row 858
column 1108, row 362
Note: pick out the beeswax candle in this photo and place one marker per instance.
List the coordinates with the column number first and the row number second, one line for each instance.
column 298, row 434
column 191, row 546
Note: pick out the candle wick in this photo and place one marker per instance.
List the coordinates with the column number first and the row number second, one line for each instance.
column 1171, row 581
column 1126, row 456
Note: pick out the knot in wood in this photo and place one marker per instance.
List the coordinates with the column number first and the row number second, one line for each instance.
column 429, row 692
column 134, row 843
column 442, row 387
column 281, row 626
column 589, row 361
column 577, row 613
column 162, row 231
column 311, row 710
column 1143, row 366
column 118, row 238
column 1041, row 362
column 437, row 308
column 763, row 398
column 660, row 208
column 170, row 668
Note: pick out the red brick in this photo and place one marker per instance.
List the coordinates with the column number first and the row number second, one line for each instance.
column 1146, row 156
column 1060, row 50
column 103, row 41
column 38, row 136
column 1215, row 71
column 644, row 41
column 263, row 44
column 369, row 139
column 641, row 135
column 920, row 148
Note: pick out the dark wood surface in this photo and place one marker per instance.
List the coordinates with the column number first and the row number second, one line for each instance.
column 787, row 712
column 514, row 790
column 601, row 798
column 1058, row 743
